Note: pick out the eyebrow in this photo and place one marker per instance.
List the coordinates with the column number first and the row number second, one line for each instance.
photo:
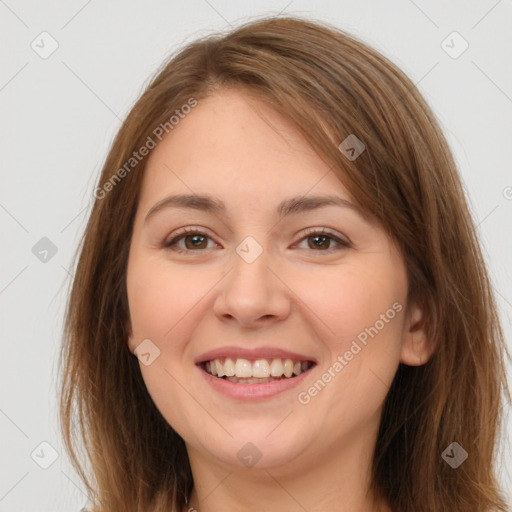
column 293, row 205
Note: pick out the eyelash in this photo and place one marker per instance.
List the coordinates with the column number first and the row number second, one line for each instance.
column 171, row 244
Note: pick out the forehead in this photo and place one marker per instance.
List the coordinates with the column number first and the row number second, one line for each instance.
column 234, row 143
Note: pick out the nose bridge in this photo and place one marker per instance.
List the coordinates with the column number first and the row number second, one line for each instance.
column 252, row 290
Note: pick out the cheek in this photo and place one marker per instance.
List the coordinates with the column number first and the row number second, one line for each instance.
column 354, row 300
column 161, row 296
column 362, row 308
column 165, row 303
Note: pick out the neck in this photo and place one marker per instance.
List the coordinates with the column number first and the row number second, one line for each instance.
column 339, row 480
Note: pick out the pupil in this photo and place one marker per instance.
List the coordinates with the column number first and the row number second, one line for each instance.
column 316, row 238
column 195, row 238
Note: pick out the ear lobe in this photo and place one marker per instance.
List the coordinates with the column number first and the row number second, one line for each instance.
column 417, row 349
column 130, row 339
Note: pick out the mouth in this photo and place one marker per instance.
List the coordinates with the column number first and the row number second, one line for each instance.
column 258, row 371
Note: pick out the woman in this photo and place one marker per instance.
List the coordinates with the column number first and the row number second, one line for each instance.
column 280, row 299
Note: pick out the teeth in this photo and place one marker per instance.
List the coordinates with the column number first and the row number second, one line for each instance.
column 276, row 368
column 252, row 380
column 262, row 369
column 288, row 368
column 220, row 368
column 229, row 367
column 243, row 368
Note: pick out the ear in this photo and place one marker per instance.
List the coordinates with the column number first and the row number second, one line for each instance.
column 130, row 339
column 416, row 349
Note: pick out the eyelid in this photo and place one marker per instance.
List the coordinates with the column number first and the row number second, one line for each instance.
column 341, row 239
column 308, row 232
column 180, row 233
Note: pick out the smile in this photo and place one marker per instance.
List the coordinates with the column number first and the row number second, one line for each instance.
column 241, row 370
column 253, row 373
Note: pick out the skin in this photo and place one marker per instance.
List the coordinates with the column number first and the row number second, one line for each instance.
column 295, row 295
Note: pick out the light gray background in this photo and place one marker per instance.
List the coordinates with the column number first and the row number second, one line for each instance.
column 58, row 119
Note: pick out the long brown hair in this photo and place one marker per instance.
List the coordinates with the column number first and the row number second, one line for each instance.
column 330, row 85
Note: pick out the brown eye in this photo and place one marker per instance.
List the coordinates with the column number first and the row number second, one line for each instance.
column 194, row 240
column 197, row 241
column 321, row 241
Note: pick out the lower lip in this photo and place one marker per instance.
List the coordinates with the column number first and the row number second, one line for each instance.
column 253, row 391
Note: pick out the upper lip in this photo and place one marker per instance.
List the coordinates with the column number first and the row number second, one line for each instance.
column 251, row 354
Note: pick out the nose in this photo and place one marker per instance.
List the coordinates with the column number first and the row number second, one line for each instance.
column 253, row 293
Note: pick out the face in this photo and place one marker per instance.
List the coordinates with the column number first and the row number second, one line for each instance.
column 318, row 284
